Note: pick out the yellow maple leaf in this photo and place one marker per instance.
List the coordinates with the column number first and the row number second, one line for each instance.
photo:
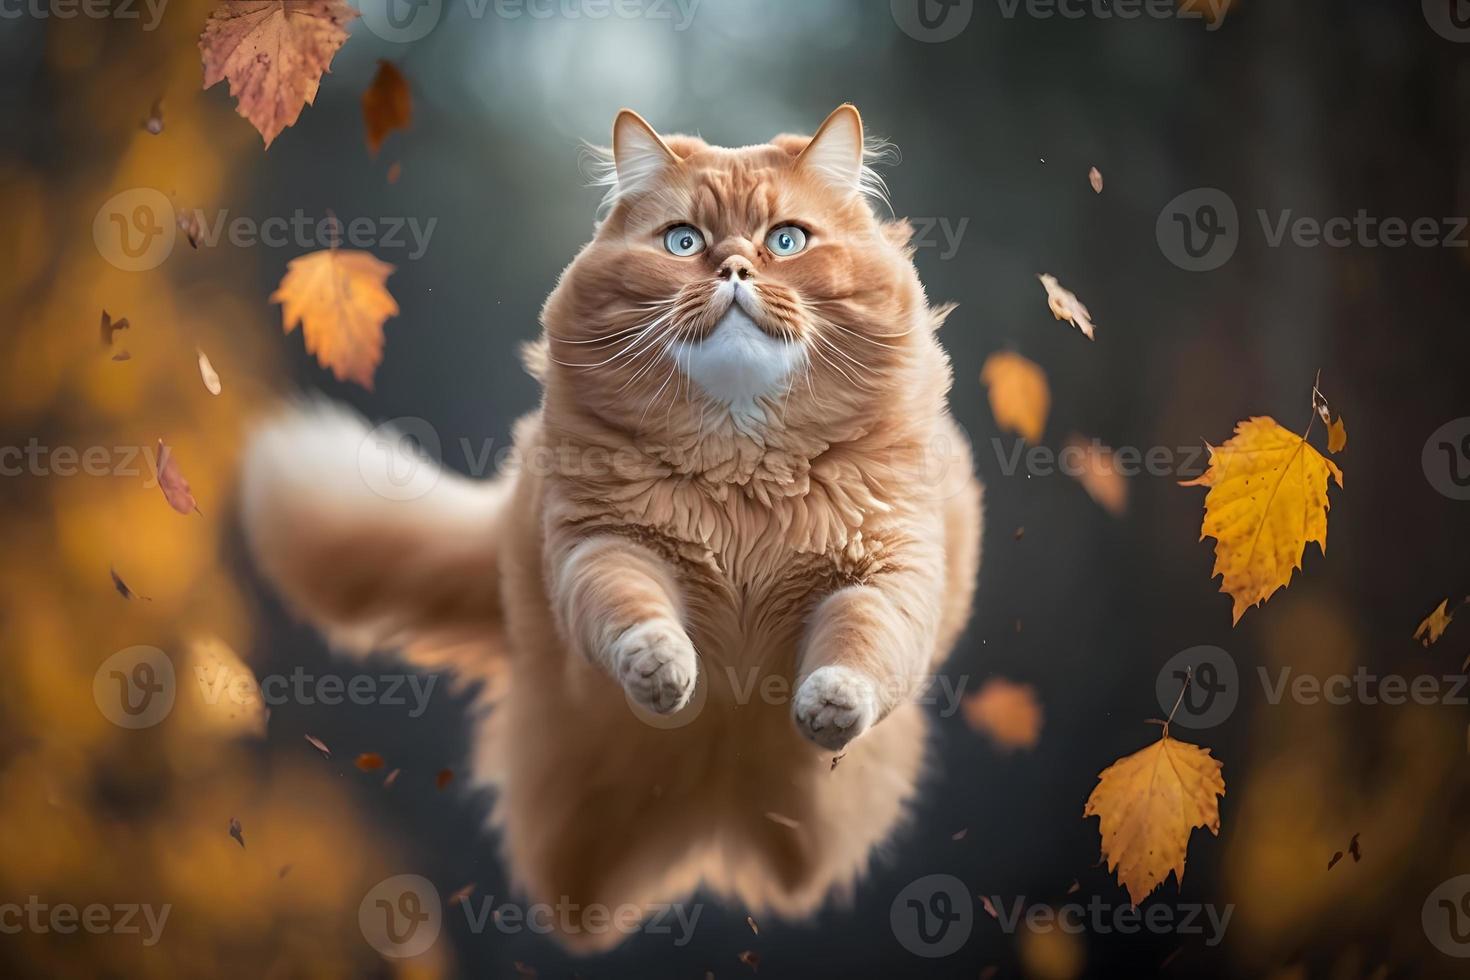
column 1434, row 624
column 340, row 298
column 274, row 53
column 1019, row 396
column 1337, row 436
column 1148, row 803
column 1267, row 499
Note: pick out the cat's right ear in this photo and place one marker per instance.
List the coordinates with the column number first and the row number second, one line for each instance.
column 639, row 154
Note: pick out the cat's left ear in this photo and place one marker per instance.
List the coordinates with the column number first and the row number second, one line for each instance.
column 836, row 152
column 639, row 153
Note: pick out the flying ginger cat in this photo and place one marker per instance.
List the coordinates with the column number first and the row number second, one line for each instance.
column 744, row 532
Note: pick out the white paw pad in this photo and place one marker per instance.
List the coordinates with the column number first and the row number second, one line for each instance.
column 656, row 664
column 834, row 706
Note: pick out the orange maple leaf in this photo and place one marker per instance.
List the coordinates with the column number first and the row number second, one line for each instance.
column 341, row 300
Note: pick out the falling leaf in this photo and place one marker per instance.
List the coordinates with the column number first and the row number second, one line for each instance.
column 1336, row 857
column 319, row 745
column 386, row 105
column 369, row 761
column 207, row 374
column 1066, row 306
column 1100, row 476
column 228, row 698
column 237, row 832
column 1094, row 177
column 753, row 927
column 395, row 170
column 1267, row 499
column 836, row 759
column 989, row 906
column 1148, row 803
column 959, row 834
column 285, row 870
column 154, row 122
column 751, row 959
column 524, row 970
column 1074, row 888
column 188, row 221
column 274, row 53
column 461, row 895
column 110, row 327
column 122, row 355
column 122, row 587
column 1007, row 712
column 1019, row 534
column 1337, row 436
column 1019, row 396
column 444, row 778
column 783, row 820
column 341, row 300
column 1434, row 625
column 1354, row 850
column 391, row 778
column 171, row 481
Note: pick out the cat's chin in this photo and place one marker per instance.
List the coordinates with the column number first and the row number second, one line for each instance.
column 739, row 365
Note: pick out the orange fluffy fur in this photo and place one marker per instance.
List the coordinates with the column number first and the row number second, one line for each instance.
column 687, row 600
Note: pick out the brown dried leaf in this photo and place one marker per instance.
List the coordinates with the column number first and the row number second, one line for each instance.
column 207, row 374
column 122, row 355
column 1434, row 625
column 237, row 832
column 274, row 53
column 751, row 959
column 386, row 105
column 753, row 927
column 110, row 327
column 154, row 123
column 461, row 895
column 783, row 820
column 122, row 587
column 391, row 778
column 171, row 481
column 1100, row 476
column 1065, row 305
column 319, row 745
column 989, row 906
column 395, row 170
column 1094, row 177
column 1337, row 436
column 369, row 761
column 444, row 778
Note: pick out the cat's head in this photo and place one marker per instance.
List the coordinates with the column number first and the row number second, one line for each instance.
column 754, row 288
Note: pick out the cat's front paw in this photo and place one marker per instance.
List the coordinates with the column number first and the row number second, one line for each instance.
column 834, row 706
column 656, row 664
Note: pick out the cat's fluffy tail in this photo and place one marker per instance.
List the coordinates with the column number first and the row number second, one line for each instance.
column 374, row 543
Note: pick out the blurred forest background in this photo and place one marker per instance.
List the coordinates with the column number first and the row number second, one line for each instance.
column 1320, row 108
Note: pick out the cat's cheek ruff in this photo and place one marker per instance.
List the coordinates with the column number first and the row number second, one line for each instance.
column 739, row 366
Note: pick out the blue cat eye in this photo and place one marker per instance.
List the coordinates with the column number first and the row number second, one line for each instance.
column 684, row 240
column 786, row 240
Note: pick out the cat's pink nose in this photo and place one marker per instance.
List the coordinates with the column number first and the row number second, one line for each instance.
column 738, row 266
